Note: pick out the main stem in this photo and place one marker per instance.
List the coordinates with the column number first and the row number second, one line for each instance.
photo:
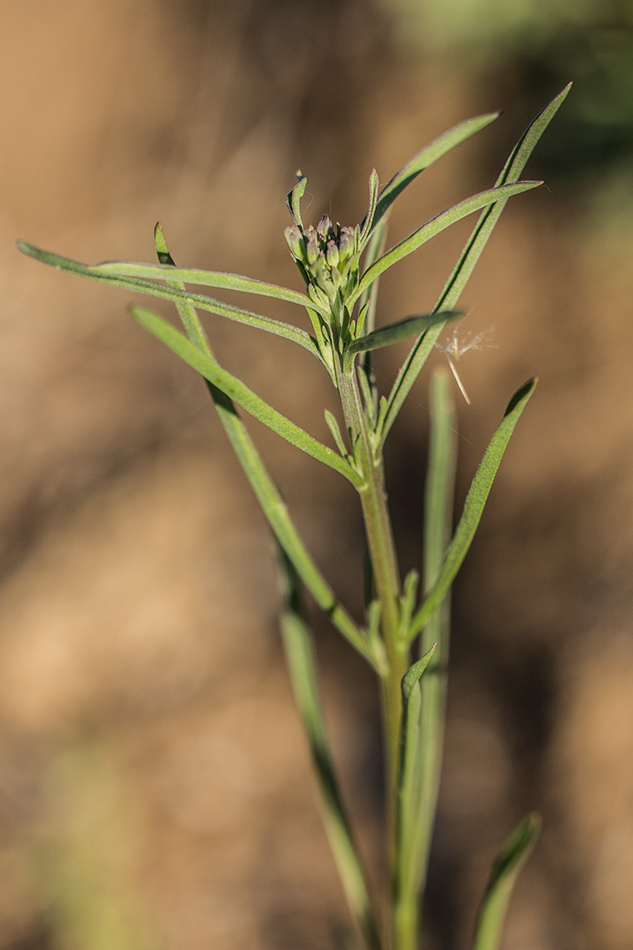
column 386, row 579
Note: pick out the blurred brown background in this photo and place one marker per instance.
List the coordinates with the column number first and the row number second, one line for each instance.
column 154, row 787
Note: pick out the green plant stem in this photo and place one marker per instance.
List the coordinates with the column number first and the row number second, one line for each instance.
column 386, row 578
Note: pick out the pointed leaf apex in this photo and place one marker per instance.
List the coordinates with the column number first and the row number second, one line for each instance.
column 162, row 251
column 294, row 197
column 521, row 395
column 371, row 211
column 412, row 676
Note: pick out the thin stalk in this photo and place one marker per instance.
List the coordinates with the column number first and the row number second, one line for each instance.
column 386, row 577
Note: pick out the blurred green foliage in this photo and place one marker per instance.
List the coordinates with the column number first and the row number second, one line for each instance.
column 533, row 47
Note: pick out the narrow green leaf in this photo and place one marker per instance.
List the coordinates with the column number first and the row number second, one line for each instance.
column 162, row 251
column 437, row 224
column 504, row 873
column 268, row 495
column 278, row 517
column 175, row 294
column 471, row 253
column 374, row 637
column 473, row 508
column 187, row 313
column 294, row 198
column 407, row 375
column 298, row 645
column 407, row 601
column 238, row 392
column 361, row 321
column 202, row 278
column 406, row 877
column 511, row 171
column 334, row 428
column 368, row 301
column 369, row 217
column 386, row 336
column 425, row 157
column 368, row 389
column 440, row 479
column 438, row 521
column 409, row 682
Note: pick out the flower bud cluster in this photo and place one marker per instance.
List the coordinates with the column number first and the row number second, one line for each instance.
column 325, row 254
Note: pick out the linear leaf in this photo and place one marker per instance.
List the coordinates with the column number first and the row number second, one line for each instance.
column 406, row 895
column 276, row 513
column 187, row 313
column 175, row 293
column 299, row 650
column 268, row 495
column 407, row 601
column 266, row 492
column 385, row 336
column 333, row 426
column 438, row 520
column 511, row 171
column 369, row 217
column 202, row 278
column 425, row 157
column 237, row 391
column 435, row 226
column 471, row 253
column 375, row 248
column 504, row 873
column 294, row 198
column 473, row 508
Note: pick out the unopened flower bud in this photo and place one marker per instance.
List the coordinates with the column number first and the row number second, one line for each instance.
column 331, row 253
column 324, row 228
column 294, row 237
column 346, row 243
column 312, row 247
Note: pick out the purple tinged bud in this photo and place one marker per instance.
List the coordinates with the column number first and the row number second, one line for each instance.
column 346, row 243
column 312, row 247
column 324, row 228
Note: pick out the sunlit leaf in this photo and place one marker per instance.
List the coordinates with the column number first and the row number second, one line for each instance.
column 239, row 393
column 437, row 224
column 473, row 508
column 426, row 157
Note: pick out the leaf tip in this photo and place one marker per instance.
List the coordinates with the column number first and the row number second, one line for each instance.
column 25, row 247
column 411, row 678
column 162, row 251
column 521, row 395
